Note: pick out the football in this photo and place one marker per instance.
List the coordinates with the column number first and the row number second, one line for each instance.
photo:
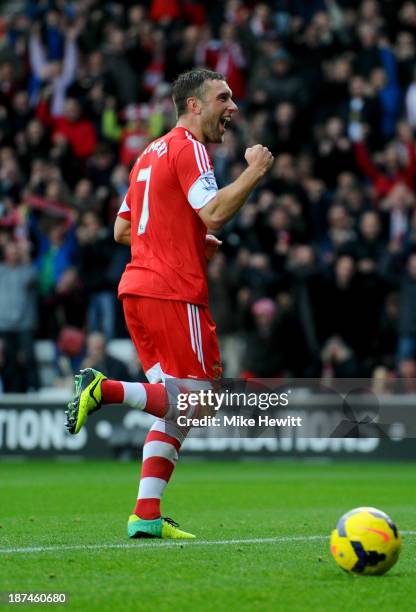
column 366, row 542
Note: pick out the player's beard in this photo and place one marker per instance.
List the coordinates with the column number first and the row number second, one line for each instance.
column 211, row 129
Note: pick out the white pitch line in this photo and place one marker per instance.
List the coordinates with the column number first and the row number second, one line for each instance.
column 162, row 544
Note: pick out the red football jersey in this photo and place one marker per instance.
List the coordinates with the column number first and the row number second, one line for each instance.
column 169, row 183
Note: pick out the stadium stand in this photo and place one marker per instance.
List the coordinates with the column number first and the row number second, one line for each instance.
column 317, row 274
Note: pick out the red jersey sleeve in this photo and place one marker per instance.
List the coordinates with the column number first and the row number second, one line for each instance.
column 195, row 174
column 124, row 211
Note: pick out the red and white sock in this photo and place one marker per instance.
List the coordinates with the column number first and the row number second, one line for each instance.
column 160, row 455
column 151, row 398
column 162, row 444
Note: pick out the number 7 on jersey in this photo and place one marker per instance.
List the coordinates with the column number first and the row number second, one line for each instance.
column 144, row 176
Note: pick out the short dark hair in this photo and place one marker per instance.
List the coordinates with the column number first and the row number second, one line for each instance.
column 191, row 83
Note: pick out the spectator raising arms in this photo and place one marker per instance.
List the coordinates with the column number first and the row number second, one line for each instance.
column 57, row 74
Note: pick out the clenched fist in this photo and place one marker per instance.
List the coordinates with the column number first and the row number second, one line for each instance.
column 259, row 157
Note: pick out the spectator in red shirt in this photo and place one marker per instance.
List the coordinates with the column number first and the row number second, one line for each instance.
column 394, row 168
column 165, row 12
column 79, row 133
column 226, row 56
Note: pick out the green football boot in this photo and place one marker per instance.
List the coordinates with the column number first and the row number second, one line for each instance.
column 162, row 528
column 87, row 399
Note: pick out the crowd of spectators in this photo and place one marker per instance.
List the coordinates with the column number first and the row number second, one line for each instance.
column 318, row 271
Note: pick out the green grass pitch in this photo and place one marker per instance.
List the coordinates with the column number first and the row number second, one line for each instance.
column 56, row 509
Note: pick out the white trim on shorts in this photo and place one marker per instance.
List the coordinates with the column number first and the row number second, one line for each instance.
column 195, row 333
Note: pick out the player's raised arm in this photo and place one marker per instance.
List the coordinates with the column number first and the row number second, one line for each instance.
column 230, row 199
